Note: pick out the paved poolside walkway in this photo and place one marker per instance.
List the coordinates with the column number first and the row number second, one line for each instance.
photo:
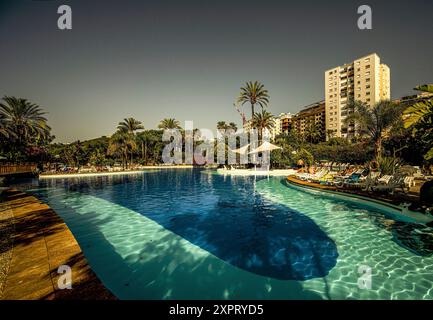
column 40, row 243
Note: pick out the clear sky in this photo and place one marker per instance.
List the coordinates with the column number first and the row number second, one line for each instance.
column 153, row 59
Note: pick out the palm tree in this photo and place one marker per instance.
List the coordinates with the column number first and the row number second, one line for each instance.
column 263, row 120
column 420, row 117
column 4, row 127
column 254, row 93
column 129, row 126
column 330, row 134
column 233, row 126
column 222, row 125
column 25, row 121
column 375, row 122
column 120, row 143
column 148, row 139
column 169, row 123
column 313, row 132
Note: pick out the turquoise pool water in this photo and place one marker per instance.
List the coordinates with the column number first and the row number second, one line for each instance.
column 191, row 234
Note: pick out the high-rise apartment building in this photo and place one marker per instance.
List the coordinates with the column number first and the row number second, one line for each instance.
column 365, row 80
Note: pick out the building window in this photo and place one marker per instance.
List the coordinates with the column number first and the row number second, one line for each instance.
column 367, row 66
column 367, row 60
column 367, row 80
column 368, row 93
column 368, row 86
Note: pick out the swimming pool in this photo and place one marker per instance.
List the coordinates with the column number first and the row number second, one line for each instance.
column 193, row 234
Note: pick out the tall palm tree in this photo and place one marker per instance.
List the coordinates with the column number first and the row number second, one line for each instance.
column 169, row 123
column 420, row 117
column 222, row 125
column 374, row 122
column 254, row 93
column 26, row 121
column 129, row 126
column 263, row 120
column 233, row 126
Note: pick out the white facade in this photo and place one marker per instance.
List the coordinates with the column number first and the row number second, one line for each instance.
column 365, row 80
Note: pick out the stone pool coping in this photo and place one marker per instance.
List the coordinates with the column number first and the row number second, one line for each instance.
column 41, row 242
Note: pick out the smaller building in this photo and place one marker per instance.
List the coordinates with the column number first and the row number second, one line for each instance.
column 285, row 122
column 313, row 115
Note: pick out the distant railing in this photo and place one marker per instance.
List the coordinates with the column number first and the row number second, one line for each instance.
column 6, row 169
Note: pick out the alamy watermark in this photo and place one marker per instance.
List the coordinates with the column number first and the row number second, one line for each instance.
column 64, row 22
column 65, row 280
column 364, row 281
column 365, row 21
column 201, row 147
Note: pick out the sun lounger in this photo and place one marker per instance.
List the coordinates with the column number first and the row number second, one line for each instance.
column 390, row 184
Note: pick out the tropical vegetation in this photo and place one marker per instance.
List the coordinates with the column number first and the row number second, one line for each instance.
column 419, row 117
column 254, row 93
column 390, row 134
column 374, row 122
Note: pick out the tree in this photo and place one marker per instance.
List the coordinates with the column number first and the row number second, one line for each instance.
column 254, row 93
column 129, row 126
column 262, row 121
column 149, row 140
column 420, row 117
column 233, row 126
column 374, row 122
column 25, row 122
column 5, row 131
column 97, row 158
column 74, row 154
column 120, row 143
column 304, row 158
column 169, row 123
column 313, row 133
column 330, row 134
column 222, row 125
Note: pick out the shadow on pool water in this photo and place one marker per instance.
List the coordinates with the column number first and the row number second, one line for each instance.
column 226, row 218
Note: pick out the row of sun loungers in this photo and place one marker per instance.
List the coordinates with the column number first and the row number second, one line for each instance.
column 360, row 178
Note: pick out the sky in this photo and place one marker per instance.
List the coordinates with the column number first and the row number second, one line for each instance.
column 184, row 59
